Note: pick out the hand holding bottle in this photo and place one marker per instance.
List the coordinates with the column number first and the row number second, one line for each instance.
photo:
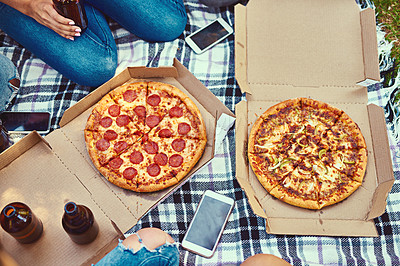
column 44, row 12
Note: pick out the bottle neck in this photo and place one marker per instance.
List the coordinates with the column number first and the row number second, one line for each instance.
column 71, row 209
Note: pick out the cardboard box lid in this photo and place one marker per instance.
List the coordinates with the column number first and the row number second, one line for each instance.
column 60, row 169
column 304, row 44
column 321, row 50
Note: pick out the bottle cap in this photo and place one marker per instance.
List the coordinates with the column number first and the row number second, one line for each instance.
column 9, row 211
column 70, row 208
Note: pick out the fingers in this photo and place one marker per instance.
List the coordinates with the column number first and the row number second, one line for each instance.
column 44, row 12
column 63, row 26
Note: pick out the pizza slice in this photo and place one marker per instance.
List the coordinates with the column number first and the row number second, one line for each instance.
column 346, row 134
column 334, row 186
column 104, row 146
column 160, row 99
column 298, row 189
column 131, row 98
column 107, row 115
column 270, row 168
column 332, row 191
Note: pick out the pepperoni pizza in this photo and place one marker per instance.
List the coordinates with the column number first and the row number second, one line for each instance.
column 307, row 153
column 145, row 136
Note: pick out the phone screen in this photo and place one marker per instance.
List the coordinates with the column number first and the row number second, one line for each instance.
column 207, row 224
column 25, row 121
column 209, row 35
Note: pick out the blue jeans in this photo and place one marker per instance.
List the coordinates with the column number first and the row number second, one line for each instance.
column 91, row 59
column 8, row 71
column 165, row 255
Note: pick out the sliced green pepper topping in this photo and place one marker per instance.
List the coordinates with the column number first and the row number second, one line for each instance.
column 302, row 145
column 276, row 165
column 339, row 138
column 321, row 153
column 285, row 161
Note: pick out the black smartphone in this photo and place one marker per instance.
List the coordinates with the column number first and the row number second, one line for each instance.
column 25, row 122
column 208, row 223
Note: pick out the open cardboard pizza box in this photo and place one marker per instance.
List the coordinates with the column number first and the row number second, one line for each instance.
column 45, row 173
column 324, row 50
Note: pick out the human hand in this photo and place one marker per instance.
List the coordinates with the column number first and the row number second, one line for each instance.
column 43, row 11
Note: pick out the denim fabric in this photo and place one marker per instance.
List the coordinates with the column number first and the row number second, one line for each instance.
column 92, row 59
column 8, row 71
column 167, row 254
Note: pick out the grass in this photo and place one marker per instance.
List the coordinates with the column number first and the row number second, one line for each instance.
column 388, row 15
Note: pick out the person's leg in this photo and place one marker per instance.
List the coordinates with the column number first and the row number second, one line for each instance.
column 148, row 246
column 151, row 20
column 89, row 60
column 9, row 82
column 265, row 260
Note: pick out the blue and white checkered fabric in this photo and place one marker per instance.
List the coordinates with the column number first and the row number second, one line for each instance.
column 43, row 89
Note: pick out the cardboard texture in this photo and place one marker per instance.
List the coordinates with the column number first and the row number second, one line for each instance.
column 322, row 50
column 45, row 173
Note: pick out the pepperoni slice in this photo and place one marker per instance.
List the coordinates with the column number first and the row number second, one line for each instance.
column 129, row 96
column 114, row 110
column 153, row 100
column 102, row 144
column 178, row 145
column 136, row 157
column 122, row 120
column 175, row 112
column 110, row 135
column 129, row 173
column 120, row 146
column 152, row 120
column 151, row 147
column 140, row 111
column 153, row 169
column 175, row 160
column 165, row 133
column 115, row 163
column 183, row 128
column 161, row 159
column 106, row 122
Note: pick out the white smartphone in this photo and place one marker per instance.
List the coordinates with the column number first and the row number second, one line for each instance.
column 208, row 223
column 25, row 122
column 209, row 35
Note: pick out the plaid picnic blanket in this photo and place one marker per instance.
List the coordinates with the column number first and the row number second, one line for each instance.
column 44, row 89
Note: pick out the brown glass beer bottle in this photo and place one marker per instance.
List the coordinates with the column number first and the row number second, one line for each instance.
column 74, row 10
column 78, row 221
column 19, row 221
column 5, row 140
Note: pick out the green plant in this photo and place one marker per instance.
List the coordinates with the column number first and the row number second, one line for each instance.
column 388, row 15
